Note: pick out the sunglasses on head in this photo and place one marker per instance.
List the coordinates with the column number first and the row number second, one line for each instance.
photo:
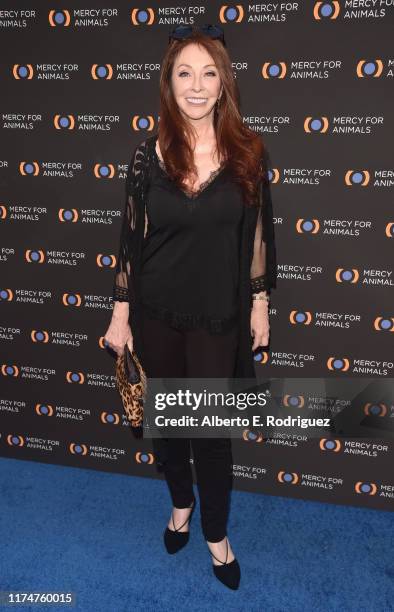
column 182, row 32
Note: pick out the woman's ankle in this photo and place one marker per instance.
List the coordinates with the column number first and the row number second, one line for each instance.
column 219, row 550
column 179, row 519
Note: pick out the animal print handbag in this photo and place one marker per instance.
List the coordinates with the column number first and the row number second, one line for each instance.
column 131, row 382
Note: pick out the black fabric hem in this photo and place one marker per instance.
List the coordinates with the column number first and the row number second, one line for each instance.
column 186, row 321
column 120, row 294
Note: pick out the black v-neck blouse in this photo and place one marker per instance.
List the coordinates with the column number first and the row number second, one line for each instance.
column 170, row 223
column 190, row 256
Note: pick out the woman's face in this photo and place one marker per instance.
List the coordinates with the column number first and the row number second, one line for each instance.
column 196, row 83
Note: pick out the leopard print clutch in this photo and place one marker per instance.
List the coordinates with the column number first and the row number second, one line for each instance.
column 131, row 382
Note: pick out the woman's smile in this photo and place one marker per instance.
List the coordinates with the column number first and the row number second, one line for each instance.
column 196, row 101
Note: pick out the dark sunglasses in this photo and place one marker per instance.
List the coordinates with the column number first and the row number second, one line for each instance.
column 182, row 32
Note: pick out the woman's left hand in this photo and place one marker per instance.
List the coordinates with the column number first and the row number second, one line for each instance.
column 259, row 324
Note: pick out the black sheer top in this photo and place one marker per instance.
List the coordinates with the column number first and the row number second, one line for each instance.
column 179, row 253
column 190, row 257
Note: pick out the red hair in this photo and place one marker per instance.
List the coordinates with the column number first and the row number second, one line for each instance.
column 239, row 145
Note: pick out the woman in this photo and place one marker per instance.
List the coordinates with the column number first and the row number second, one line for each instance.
column 196, row 264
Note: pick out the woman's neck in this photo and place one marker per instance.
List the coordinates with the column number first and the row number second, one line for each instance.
column 204, row 135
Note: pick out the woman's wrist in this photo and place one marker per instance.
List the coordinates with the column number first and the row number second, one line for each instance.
column 120, row 311
column 260, row 299
column 260, row 306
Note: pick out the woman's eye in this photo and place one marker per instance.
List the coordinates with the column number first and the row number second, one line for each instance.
column 211, row 72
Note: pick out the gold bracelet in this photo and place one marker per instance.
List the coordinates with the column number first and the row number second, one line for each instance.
column 261, row 296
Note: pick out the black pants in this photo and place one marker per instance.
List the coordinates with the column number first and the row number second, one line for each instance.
column 167, row 353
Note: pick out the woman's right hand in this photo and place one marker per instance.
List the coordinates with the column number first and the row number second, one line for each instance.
column 118, row 334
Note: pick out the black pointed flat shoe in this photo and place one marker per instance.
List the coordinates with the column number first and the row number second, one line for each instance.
column 228, row 573
column 174, row 540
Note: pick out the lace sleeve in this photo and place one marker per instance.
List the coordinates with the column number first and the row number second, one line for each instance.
column 263, row 268
column 132, row 228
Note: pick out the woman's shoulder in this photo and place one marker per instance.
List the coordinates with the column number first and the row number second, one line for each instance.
column 138, row 169
column 144, row 147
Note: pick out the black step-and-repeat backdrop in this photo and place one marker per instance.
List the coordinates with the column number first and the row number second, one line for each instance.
column 79, row 90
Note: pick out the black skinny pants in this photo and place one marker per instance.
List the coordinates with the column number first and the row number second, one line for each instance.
column 171, row 353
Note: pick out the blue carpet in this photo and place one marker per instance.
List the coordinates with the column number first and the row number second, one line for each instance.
column 99, row 535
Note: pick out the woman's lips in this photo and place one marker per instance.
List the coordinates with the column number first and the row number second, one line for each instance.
column 196, row 101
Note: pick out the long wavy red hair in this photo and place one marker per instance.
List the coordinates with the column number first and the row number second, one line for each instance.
column 241, row 147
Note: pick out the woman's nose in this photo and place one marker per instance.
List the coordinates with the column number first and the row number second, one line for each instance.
column 196, row 85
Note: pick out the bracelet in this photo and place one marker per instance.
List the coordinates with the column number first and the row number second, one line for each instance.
column 261, row 296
